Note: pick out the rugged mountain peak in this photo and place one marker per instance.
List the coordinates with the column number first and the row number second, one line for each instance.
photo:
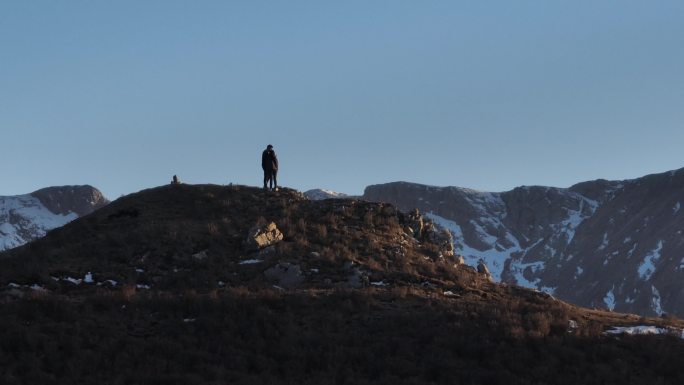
column 608, row 244
column 63, row 200
column 320, row 194
column 24, row 218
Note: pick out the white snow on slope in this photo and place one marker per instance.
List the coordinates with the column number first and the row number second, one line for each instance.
column 250, row 261
column 320, row 194
column 518, row 269
column 23, row 217
column 655, row 301
column 604, row 243
column 640, row 330
column 569, row 226
column 633, row 249
column 676, row 208
column 609, row 299
column 648, row 265
column 75, row 281
column 491, row 231
column 494, row 258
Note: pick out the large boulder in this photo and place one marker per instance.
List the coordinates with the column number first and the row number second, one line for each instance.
column 484, row 270
column 440, row 237
column 414, row 222
column 260, row 237
column 285, row 275
column 355, row 280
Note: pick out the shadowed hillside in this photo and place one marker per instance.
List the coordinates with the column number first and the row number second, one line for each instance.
column 229, row 284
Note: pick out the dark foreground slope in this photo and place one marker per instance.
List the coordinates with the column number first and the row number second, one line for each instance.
column 353, row 294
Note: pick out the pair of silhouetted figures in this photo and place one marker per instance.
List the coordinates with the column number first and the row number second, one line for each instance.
column 269, row 162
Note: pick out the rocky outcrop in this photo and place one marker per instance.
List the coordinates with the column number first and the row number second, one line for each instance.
column 424, row 230
column 285, row 275
column 24, row 218
column 260, row 237
column 606, row 244
column 484, row 270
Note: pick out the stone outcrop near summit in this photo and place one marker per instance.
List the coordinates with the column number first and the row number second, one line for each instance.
column 607, row 244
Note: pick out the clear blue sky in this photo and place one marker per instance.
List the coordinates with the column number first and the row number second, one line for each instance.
column 482, row 94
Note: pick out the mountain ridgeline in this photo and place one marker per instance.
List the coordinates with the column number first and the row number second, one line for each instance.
column 205, row 284
column 24, row 218
column 608, row 244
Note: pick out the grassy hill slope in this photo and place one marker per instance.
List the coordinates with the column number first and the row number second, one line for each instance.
column 173, row 293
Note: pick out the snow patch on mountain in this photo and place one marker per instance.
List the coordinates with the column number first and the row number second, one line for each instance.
column 483, row 234
column 609, row 299
column 495, row 259
column 502, row 248
column 496, row 256
column 655, row 301
column 321, row 194
column 648, row 265
column 604, row 243
column 642, row 330
column 518, row 269
column 576, row 217
column 24, row 217
column 633, row 249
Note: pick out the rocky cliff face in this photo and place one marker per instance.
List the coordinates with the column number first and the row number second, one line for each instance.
column 24, row 218
column 609, row 244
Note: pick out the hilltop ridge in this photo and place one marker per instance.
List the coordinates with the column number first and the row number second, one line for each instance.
column 175, row 234
column 211, row 284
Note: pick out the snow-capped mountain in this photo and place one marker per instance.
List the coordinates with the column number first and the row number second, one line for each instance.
column 609, row 244
column 24, row 218
column 320, row 194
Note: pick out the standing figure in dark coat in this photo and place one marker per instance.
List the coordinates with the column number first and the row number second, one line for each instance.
column 269, row 162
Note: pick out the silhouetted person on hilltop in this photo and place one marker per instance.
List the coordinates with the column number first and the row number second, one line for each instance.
column 175, row 180
column 269, row 162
